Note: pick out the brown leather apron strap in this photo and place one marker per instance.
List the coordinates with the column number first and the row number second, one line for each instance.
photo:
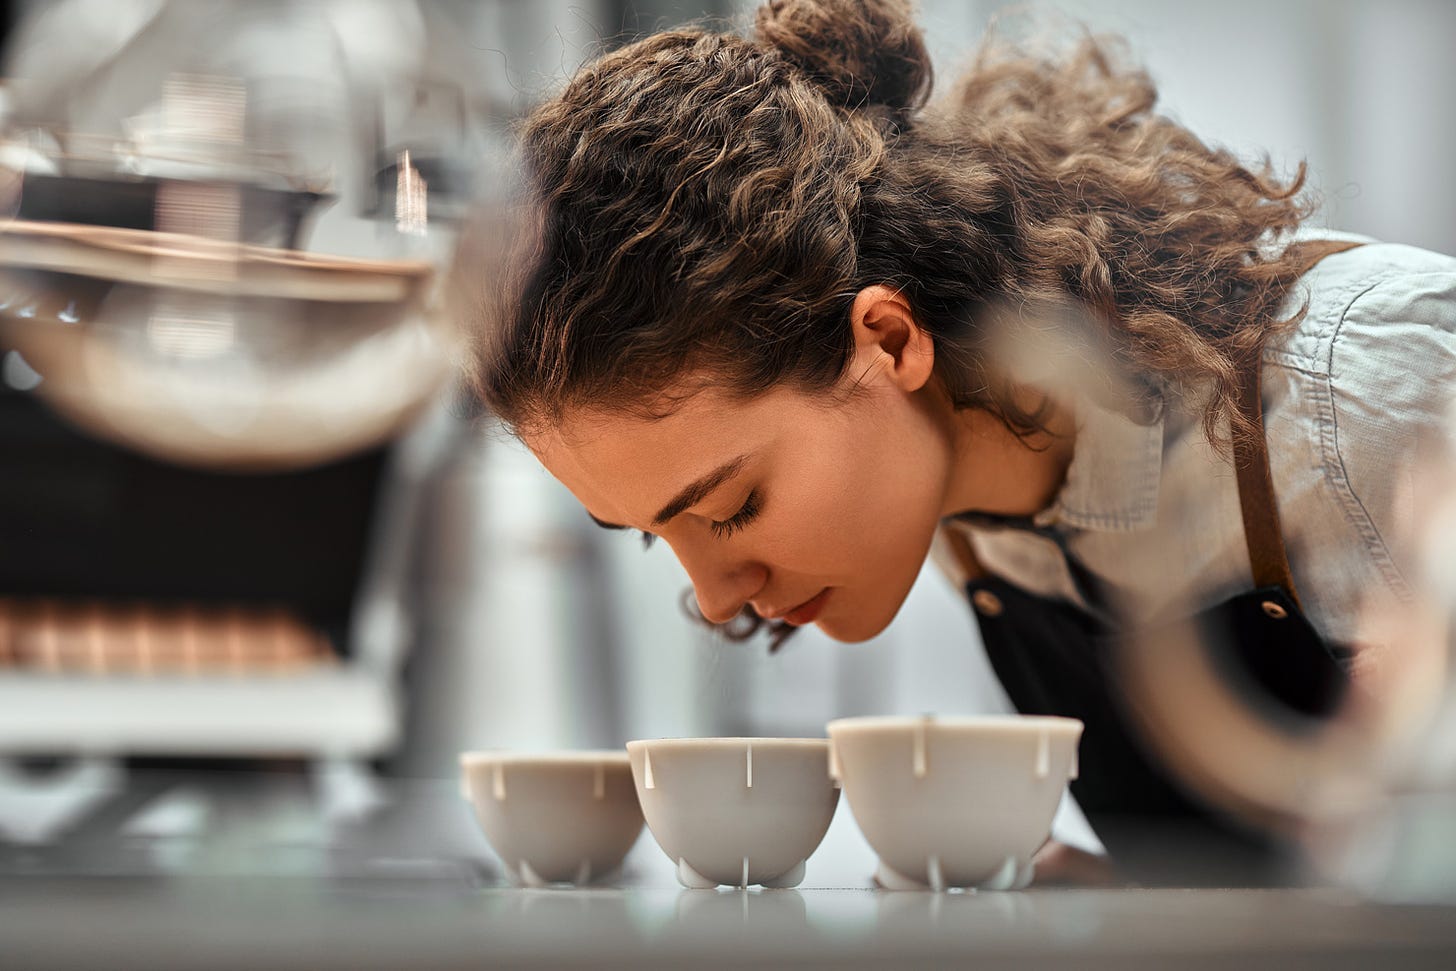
column 1267, row 557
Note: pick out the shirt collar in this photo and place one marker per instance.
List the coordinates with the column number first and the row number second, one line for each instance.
column 1112, row 482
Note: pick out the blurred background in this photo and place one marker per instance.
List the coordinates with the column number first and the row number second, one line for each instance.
column 263, row 571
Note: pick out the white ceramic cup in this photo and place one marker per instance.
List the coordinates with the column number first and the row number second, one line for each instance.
column 954, row 802
column 736, row 811
column 554, row 817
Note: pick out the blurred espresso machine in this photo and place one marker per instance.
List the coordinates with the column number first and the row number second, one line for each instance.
column 222, row 227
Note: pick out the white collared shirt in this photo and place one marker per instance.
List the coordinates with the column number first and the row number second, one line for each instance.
column 1358, row 404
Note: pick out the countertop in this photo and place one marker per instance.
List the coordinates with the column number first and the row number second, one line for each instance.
column 400, row 923
column 239, row 871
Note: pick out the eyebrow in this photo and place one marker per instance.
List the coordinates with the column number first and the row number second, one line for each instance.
column 693, row 494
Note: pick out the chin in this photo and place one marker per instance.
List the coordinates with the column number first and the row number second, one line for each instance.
column 853, row 630
column 876, row 607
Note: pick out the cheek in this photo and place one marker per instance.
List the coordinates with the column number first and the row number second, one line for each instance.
column 897, row 478
column 865, row 501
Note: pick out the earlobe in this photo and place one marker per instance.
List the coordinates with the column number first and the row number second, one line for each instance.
column 887, row 336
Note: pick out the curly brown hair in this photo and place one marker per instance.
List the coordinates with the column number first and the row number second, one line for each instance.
column 708, row 205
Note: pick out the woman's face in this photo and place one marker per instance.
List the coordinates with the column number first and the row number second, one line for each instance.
column 777, row 502
column 814, row 509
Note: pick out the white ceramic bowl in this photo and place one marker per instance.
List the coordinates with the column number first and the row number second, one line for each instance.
column 554, row 817
column 954, row 802
column 736, row 811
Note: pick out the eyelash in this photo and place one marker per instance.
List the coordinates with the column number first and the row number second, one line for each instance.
column 740, row 519
column 747, row 514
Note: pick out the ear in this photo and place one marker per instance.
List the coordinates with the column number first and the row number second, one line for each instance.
column 887, row 338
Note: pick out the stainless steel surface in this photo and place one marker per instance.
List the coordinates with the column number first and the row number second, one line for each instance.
column 410, row 921
column 287, row 868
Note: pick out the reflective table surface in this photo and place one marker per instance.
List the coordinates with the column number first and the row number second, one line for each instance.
column 399, row 922
column 326, row 868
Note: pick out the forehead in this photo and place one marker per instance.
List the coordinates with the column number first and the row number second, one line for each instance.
column 696, row 429
column 623, row 466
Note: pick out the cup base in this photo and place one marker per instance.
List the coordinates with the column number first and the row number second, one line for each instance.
column 693, row 880
column 525, row 875
column 1012, row 875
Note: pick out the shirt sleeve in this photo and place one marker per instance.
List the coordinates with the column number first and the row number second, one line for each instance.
column 1387, row 433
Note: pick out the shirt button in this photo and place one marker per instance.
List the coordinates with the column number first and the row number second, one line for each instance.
column 1274, row 610
column 987, row 604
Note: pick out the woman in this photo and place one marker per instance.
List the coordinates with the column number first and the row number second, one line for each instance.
column 786, row 317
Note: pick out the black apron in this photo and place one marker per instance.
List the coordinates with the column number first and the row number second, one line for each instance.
column 1056, row 659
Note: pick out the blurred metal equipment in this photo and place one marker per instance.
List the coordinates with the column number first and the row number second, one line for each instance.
column 161, row 274
column 212, row 333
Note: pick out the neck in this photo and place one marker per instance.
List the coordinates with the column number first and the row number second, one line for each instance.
column 995, row 471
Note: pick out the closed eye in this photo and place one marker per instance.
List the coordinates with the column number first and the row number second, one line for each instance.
column 647, row 538
column 752, row 506
column 747, row 513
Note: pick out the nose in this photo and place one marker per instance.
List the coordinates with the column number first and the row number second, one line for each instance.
column 722, row 588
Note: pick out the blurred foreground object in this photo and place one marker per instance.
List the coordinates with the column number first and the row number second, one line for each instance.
column 217, row 354
column 163, row 277
column 1367, row 788
column 220, row 354
column 1400, row 844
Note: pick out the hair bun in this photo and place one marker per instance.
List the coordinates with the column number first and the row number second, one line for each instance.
column 861, row 52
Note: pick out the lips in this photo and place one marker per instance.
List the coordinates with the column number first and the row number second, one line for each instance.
column 806, row 611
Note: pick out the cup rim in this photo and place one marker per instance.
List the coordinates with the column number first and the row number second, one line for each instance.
column 726, row 742
column 479, row 757
column 1055, row 723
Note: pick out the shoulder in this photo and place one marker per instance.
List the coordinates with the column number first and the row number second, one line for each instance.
column 1369, row 374
column 1373, row 283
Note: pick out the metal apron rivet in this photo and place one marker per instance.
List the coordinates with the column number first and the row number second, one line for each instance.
column 987, row 603
column 1274, row 610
